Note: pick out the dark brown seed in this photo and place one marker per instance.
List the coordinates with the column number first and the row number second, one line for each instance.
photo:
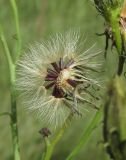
column 73, row 83
column 49, row 85
column 56, row 67
column 58, row 92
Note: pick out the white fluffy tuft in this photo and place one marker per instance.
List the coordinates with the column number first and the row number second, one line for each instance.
column 32, row 70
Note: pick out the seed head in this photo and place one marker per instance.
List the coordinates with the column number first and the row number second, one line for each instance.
column 54, row 77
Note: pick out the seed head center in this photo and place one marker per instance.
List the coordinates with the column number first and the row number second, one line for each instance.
column 65, row 74
column 63, row 77
column 60, row 78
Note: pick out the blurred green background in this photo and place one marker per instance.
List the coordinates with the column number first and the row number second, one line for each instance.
column 38, row 19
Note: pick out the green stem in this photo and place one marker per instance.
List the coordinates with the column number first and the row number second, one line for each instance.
column 120, row 65
column 86, row 135
column 114, row 22
column 14, row 128
column 51, row 145
column 16, row 17
column 7, row 54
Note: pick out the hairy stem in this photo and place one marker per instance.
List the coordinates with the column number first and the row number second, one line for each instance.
column 86, row 135
column 118, row 39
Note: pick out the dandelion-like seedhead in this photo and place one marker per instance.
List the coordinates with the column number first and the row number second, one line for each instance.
column 54, row 77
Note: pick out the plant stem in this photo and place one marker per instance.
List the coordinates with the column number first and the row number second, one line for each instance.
column 16, row 17
column 114, row 20
column 86, row 135
column 120, row 65
column 7, row 54
column 50, row 145
column 14, row 128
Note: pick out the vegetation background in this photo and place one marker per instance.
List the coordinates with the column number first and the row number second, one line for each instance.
column 39, row 19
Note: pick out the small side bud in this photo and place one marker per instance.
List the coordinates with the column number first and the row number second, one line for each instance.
column 45, row 132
